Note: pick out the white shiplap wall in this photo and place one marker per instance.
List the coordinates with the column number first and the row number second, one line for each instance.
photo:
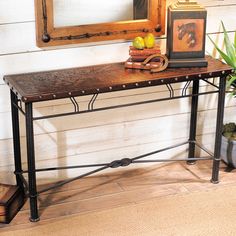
column 104, row 135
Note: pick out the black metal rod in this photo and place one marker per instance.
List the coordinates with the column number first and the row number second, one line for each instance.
column 168, row 160
column 212, row 84
column 91, row 102
column 102, row 164
column 160, row 150
column 184, row 91
column 24, row 181
column 120, row 106
column 20, row 104
column 71, row 180
column 72, row 101
column 171, row 90
column 67, row 167
column 16, row 139
column 204, row 149
column 34, row 216
column 19, row 108
column 219, row 126
column 193, row 122
column 75, row 104
column 187, row 87
column 214, row 79
column 105, row 164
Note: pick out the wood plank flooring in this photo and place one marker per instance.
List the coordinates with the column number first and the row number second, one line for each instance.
column 121, row 187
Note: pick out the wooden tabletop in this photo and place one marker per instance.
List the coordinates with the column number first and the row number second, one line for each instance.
column 48, row 85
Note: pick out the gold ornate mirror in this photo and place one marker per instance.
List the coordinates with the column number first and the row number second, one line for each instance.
column 62, row 22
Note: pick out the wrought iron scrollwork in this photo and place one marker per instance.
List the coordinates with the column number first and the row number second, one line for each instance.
column 184, row 91
column 92, row 101
column 171, row 90
column 120, row 163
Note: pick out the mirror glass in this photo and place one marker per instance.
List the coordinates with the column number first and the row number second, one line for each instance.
column 86, row 12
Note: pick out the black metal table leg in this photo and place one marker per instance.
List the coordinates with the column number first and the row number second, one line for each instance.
column 219, row 126
column 16, row 139
column 193, row 122
column 31, row 163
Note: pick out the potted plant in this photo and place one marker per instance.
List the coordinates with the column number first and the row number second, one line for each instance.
column 228, row 145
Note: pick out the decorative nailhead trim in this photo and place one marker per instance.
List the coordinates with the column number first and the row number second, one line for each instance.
column 210, row 74
column 123, row 86
column 54, row 95
column 162, row 81
column 199, row 76
column 223, row 72
column 149, row 82
column 70, row 93
column 110, row 88
column 136, row 84
column 98, row 89
column 187, row 77
column 83, row 91
column 176, row 79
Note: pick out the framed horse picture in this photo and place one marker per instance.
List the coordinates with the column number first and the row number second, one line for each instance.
column 186, row 30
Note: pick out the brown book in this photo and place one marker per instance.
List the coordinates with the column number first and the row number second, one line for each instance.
column 142, row 58
column 129, row 64
column 144, row 52
column 11, row 200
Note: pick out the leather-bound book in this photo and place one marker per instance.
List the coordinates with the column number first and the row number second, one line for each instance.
column 142, row 58
column 11, row 200
column 144, row 52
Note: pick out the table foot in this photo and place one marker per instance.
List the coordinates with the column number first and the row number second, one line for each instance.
column 191, row 162
column 215, row 181
column 34, row 220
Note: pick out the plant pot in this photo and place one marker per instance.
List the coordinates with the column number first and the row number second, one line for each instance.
column 228, row 151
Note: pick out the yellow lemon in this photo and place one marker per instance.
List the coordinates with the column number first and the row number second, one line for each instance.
column 138, row 43
column 149, row 40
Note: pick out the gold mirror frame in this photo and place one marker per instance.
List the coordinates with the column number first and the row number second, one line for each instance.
column 47, row 35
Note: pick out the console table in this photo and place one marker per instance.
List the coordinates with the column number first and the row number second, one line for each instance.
column 27, row 89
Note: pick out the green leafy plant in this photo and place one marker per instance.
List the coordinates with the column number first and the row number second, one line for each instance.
column 229, row 131
column 229, row 56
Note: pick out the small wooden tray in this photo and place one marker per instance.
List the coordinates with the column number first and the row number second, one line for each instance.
column 11, row 201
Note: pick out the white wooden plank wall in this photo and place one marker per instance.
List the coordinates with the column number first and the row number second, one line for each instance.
column 102, row 136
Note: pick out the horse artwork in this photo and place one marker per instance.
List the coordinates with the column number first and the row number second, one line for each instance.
column 188, row 35
column 190, row 30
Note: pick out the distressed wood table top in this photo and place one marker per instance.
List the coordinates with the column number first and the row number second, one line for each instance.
column 48, row 85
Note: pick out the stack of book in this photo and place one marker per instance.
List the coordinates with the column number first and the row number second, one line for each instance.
column 137, row 57
column 12, row 198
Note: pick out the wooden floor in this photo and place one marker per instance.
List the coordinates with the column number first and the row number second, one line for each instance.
column 121, row 187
